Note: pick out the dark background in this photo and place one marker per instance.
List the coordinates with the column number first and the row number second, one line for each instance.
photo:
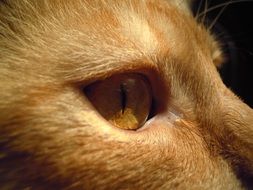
column 234, row 29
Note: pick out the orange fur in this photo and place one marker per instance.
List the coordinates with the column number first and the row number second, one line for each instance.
column 52, row 138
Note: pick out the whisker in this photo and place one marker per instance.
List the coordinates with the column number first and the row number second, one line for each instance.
column 205, row 9
column 221, row 5
column 199, row 8
column 217, row 17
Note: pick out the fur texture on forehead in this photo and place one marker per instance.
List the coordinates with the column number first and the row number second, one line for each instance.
column 87, row 30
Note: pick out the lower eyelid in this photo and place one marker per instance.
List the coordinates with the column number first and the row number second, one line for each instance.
column 162, row 119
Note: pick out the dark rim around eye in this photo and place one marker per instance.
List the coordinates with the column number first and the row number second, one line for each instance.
column 153, row 110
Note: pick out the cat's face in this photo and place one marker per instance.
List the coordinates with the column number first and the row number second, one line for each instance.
column 65, row 63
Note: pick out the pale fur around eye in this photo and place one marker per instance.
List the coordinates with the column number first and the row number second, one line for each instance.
column 123, row 100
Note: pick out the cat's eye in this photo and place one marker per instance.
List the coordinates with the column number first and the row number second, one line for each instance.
column 123, row 100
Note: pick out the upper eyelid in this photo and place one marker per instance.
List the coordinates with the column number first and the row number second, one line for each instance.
column 83, row 77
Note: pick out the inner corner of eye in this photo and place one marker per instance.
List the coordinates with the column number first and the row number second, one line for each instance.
column 124, row 100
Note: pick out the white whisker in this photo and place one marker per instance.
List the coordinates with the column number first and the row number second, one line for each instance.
column 221, row 5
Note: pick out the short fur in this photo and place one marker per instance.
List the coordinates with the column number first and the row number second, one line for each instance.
column 52, row 138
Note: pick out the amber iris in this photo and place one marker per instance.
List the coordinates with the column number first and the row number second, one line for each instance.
column 124, row 100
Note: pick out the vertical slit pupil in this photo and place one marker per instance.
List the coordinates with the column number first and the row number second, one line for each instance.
column 123, row 95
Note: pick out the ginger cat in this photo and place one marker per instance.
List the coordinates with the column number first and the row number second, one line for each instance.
column 116, row 94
